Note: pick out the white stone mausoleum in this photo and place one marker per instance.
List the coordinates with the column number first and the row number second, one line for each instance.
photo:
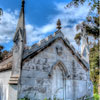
column 51, row 68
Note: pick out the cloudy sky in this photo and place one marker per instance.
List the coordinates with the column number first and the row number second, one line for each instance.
column 41, row 17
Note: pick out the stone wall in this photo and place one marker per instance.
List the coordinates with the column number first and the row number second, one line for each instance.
column 4, row 87
column 36, row 81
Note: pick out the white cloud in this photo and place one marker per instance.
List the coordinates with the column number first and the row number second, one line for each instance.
column 7, row 26
column 38, row 33
column 69, row 17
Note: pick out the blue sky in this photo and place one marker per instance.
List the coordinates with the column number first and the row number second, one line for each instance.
column 41, row 17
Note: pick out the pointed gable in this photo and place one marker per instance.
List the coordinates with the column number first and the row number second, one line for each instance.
column 43, row 44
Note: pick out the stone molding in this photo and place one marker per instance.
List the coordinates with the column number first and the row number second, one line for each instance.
column 14, row 80
column 63, row 67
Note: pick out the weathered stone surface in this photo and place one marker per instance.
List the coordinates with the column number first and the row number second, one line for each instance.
column 53, row 72
column 4, row 86
column 49, row 69
column 35, row 74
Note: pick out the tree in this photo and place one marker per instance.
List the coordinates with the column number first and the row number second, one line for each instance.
column 94, row 4
column 1, row 48
column 1, row 12
column 3, row 53
column 92, row 29
column 92, row 21
column 94, row 66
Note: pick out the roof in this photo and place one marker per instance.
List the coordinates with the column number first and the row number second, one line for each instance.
column 40, row 46
column 6, row 64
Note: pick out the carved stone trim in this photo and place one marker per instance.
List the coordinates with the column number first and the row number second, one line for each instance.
column 62, row 66
column 59, row 50
column 14, row 80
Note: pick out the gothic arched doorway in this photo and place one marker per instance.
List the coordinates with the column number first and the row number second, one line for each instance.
column 58, row 81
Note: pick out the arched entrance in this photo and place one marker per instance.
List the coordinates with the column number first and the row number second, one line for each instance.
column 58, row 76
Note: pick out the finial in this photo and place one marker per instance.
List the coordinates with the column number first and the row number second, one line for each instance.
column 58, row 24
column 23, row 2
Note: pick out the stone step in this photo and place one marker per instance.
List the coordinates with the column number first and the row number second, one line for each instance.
column 13, row 80
column 14, row 77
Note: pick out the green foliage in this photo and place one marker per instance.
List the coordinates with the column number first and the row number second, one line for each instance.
column 76, row 3
column 96, row 96
column 77, row 38
column 45, row 99
column 94, row 66
column 92, row 29
column 95, row 87
column 93, row 4
column 92, row 20
column 55, row 99
column 1, row 48
column 3, row 53
column 1, row 12
column 50, row 99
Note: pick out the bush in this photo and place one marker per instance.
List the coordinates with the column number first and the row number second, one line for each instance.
column 96, row 96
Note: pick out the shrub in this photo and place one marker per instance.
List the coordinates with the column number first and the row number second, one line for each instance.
column 96, row 96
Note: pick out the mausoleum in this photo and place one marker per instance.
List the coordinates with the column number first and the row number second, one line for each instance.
column 51, row 68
